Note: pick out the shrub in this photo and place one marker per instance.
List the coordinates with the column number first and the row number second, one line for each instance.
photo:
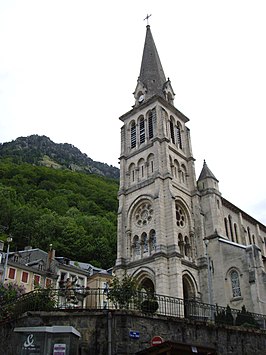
column 149, row 306
column 224, row 316
column 246, row 319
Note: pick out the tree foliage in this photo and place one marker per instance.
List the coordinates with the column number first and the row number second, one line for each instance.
column 123, row 291
column 73, row 211
column 9, row 292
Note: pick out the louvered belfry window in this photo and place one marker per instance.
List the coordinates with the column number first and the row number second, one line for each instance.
column 151, row 120
column 141, row 131
column 172, row 132
column 178, row 137
column 133, row 135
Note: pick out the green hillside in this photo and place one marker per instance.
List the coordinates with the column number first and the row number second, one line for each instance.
column 75, row 212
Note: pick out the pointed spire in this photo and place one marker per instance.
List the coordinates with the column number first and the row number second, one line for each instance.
column 151, row 72
column 206, row 173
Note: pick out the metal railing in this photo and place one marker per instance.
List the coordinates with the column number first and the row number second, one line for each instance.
column 98, row 299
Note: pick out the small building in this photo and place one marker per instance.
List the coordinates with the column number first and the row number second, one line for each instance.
column 32, row 268
column 98, row 283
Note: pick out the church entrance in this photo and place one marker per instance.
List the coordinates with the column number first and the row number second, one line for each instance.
column 146, row 285
column 189, row 296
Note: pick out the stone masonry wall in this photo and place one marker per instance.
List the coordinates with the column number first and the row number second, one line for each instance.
column 93, row 327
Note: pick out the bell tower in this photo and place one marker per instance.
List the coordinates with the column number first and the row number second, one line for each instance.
column 156, row 232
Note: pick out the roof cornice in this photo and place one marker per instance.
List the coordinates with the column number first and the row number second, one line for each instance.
column 150, row 101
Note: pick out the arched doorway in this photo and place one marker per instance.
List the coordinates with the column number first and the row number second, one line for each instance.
column 146, row 285
column 189, row 296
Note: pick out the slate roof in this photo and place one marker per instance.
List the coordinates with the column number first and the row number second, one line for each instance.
column 206, row 173
column 151, row 71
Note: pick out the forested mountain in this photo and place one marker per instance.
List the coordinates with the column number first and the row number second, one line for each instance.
column 40, row 150
column 75, row 212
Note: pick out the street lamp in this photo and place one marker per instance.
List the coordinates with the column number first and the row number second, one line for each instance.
column 9, row 240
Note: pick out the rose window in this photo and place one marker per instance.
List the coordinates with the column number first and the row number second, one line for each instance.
column 143, row 214
column 180, row 217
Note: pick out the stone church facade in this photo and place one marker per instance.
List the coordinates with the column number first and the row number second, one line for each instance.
column 176, row 234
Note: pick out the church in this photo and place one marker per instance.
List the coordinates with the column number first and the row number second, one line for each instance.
column 177, row 235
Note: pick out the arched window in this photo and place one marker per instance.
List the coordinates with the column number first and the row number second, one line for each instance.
column 180, row 216
column 249, row 236
column 231, row 228
column 236, row 233
column 152, row 240
column 131, row 171
column 235, row 283
column 181, row 244
column 141, row 168
column 172, row 132
column 151, row 121
column 141, row 130
column 187, row 246
column 178, row 137
column 176, row 168
column 183, row 174
column 253, row 239
column 171, row 164
column 226, row 227
column 133, row 135
column 144, row 242
column 136, row 246
column 150, row 164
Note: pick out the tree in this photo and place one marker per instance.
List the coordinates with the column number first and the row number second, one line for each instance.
column 123, row 292
column 9, row 292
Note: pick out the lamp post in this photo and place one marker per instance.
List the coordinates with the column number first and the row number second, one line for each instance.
column 9, row 240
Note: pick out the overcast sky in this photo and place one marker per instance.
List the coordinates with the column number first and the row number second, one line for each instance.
column 68, row 70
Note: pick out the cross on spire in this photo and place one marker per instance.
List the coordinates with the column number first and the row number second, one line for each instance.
column 147, row 19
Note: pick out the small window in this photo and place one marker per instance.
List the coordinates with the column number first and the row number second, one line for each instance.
column 249, row 236
column 231, row 228
column 226, row 227
column 136, row 245
column 181, row 243
column 81, row 281
column 25, row 277
column 152, row 240
column 11, row 273
column 235, row 284
column 48, row 282
column 236, row 233
column 37, row 280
